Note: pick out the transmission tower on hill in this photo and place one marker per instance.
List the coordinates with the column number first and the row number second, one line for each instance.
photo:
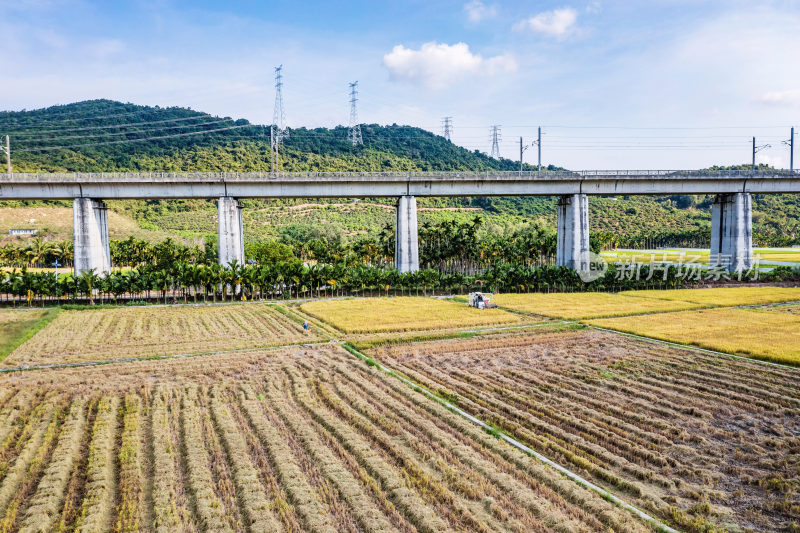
column 495, row 134
column 447, row 127
column 355, row 128
column 278, row 131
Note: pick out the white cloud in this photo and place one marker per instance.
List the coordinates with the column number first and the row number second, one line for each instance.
column 791, row 97
column 437, row 65
column 556, row 23
column 104, row 49
column 478, row 11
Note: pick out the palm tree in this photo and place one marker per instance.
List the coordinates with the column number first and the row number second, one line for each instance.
column 88, row 281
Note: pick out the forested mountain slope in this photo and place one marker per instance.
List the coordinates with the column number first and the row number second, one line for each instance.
column 103, row 135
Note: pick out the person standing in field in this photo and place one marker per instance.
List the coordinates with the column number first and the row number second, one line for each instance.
column 305, row 325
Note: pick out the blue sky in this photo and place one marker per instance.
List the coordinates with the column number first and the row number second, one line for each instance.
column 670, row 84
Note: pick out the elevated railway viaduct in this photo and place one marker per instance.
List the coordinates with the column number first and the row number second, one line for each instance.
column 731, row 228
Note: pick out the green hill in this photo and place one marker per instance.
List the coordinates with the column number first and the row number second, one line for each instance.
column 103, row 135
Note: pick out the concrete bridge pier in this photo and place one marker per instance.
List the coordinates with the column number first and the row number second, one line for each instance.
column 732, row 232
column 572, row 248
column 406, row 239
column 90, row 234
column 229, row 226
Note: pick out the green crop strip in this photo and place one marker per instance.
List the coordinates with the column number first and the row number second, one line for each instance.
column 14, row 333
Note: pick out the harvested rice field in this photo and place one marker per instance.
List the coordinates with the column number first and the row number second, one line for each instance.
column 581, row 305
column 398, row 314
column 703, row 442
column 104, row 334
column 756, row 332
column 725, row 296
column 16, row 326
column 302, row 439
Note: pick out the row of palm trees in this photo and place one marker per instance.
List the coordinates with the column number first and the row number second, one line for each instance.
column 37, row 253
column 447, row 246
column 184, row 282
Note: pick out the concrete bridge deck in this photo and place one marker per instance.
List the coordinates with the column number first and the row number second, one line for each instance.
column 54, row 186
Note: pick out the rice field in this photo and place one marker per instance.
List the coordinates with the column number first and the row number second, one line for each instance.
column 581, row 305
column 304, row 439
column 104, row 334
column 725, row 296
column 398, row 314
column 704, row 442
column 749, row 332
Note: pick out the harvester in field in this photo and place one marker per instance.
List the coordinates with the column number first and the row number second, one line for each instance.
column 481, row 300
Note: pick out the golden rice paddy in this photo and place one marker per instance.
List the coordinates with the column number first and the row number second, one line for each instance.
column 725, row 297
column 370, row 315
column 750, row 332
column 587, row 304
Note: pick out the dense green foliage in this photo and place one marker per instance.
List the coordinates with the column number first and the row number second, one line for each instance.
column 242, row 147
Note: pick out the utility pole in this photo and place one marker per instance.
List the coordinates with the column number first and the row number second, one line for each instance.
column 790, row 143
column 447, row 127
column 278, row 129
column 757, row 149
column 7, row 151
column 539, row 144
column 522, row 149
column 355, row 127
column 495, row 133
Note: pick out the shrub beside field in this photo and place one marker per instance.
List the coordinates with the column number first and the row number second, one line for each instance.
column 308, row 439
column 582, row 305
column 102, row 334
column 751, row 332
column 367, row 315
column 703, row 442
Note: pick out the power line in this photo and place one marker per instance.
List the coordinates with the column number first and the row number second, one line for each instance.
column 99, row 117
column 659, row 127
column 112, row 126
column 124, row 141
column 355, row 127
column 117, row 134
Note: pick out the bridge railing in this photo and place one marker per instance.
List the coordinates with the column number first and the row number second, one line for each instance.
column 84, row 177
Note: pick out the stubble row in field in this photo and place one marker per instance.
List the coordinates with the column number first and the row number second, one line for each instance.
column 696, row 439
column 102, row 334
column 305, row 439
